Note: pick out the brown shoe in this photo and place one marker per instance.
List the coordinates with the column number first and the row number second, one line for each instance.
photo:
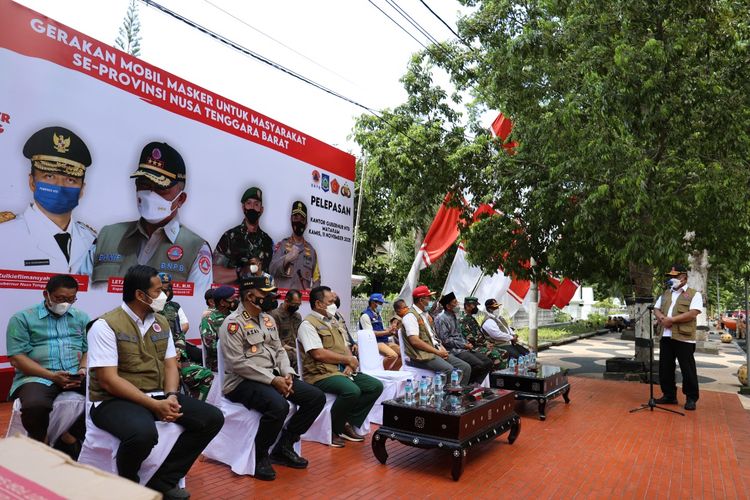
column 336, row 442
column 350, row 434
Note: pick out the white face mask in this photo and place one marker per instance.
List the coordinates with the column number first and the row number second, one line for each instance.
column 331, row 310
column 60, row 308
column 253, row 268
column 157, row 304
column 674, row 283
column 152, row 207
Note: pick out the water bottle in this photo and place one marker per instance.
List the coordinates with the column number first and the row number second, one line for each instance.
column 512, row 365
column 423, row 392
column 409, row 393
column 521, row 362
column 454, row 378
column 437, row 386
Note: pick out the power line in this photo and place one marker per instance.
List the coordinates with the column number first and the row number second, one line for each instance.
column 441, row 20
column 397, row 24
column 411, row 21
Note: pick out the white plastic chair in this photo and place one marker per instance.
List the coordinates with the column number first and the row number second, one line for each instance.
column 234, row 445
column 66, row 408
column 100, row 447
column 371, row 363
column 320, row 430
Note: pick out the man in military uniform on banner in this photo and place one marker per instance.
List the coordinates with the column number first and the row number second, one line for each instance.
column 295, row 262
column 239, row 245
column 156, row 239
column 46, row 236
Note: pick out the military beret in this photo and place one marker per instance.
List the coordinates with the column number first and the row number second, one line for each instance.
column 676, row 270
column 161, row 164
column 299, row 208
column 252, row 193
column 57, row 149
column 262, row 283
column 223, row 292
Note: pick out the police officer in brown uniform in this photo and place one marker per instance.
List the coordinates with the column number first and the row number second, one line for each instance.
column 260, row 378
column 295, row 262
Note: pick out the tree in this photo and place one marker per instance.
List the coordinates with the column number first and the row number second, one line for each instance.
column 129, row 38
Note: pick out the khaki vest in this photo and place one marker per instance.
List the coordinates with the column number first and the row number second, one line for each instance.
column 501, row 324
column 115, row 253
column 140, row 359
column 333, row 340
column 680, row 331
column 424, row 335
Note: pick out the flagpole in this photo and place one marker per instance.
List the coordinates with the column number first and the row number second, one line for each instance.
column 533, row 313
column 359, row 213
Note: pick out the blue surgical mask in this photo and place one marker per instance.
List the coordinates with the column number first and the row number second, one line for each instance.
column 429, row 305
column 56, row 199
column 379, row 308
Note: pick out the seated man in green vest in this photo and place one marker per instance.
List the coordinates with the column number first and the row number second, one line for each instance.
column 134, row 381
column 328, row 364
column 157, row 238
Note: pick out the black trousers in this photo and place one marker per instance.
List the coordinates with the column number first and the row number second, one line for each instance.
column 669, row 351
column 135, row 427
column 480, row 365
column 36, row 405
column 514, row 350
column 274, row 408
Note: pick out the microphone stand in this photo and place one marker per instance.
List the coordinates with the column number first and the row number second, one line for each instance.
column 651, row 402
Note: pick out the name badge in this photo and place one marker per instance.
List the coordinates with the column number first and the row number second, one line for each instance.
column 36, row 262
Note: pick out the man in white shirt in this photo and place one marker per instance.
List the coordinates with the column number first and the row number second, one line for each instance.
column 500, row 332
column 676, row 310
column 134, row 381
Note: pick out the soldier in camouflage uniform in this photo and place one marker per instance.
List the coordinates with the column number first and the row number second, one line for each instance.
column 197, row 378
column 237, row 245
column 474, row 335
column 225, row 301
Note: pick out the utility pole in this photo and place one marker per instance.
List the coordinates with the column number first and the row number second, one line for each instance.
column 359, row 212
column 534, row 313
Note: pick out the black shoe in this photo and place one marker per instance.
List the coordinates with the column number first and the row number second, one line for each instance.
column 72, row 450
column 664, row 400
column 690, row 405
column 284, row 454
column 176, row 493
column 263, row 469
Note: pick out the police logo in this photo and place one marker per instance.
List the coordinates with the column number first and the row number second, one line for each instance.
column 157, row 328
column 60, row 143
column 174, row 252
column 346, row 191
column 204, row 264
column 233, row 327
column 156, row 154
column 335, row 186
column 326, row 183
column 315, row 176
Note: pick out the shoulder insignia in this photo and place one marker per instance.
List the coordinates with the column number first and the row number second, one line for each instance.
column 233, row 327
column 6, row 216
column 268, row 321
column 245, row 315
column 86, row 226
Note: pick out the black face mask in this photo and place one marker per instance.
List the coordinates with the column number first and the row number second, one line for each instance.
column 292, row 309
column 252, row 215
column 267, row 303
column 298, row 228
column 337, row 302
column 170, row 295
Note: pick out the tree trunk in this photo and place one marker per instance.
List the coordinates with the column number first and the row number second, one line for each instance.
column 642, row 279
column 698, row 279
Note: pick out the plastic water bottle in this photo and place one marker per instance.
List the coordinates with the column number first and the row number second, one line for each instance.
column 512, row 365
column 409, row 393
column 521, row 362
column 454, row 378
column 437, row 386
column 423, row 388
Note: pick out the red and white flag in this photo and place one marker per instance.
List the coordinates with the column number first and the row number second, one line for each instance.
column 502, row 127
column 515, row 297
column 565, row 293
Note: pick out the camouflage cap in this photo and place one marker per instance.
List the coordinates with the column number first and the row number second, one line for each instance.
column 57, row 149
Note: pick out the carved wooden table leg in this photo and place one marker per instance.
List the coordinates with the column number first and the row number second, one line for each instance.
column 542, row 408
column 459, row 460
column 378, row 447
column 566, row 395
column 515, row 430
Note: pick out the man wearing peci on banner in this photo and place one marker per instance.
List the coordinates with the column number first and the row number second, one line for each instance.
column 46, row 236
column 295, row 262
column 156, row 239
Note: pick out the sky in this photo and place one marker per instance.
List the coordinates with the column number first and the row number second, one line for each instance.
column 346, row 45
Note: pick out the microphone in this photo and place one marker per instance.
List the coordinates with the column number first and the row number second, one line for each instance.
column 651, row 307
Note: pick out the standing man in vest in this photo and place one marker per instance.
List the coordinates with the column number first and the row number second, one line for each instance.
column 47, row 347
column 288, row 320
column 421, row 346
column 260, row 378
column 676, row 311
column 329, row 365
column 156, row 239
column 47, row 236
column 236, row 247
column 295, row 262
column 134, row 381
column 371, row 319
column 225, row 301
column 500, row 332
column 446, row 327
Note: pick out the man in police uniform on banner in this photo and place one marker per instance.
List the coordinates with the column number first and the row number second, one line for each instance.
column 260, row 378
column 241, row 243
column 156, row 239
column 295, row 262
column 46, row 236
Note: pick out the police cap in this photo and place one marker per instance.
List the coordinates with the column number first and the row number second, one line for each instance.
column 57, row 149
column 161, row 164
column 299, row 208
column 262, row 283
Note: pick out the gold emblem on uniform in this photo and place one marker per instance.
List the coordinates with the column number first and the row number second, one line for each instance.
column 61, row 144
column 253, row 349
column 268, row 322
column 6, row 216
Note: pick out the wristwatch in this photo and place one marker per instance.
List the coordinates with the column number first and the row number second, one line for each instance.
column 172, row 393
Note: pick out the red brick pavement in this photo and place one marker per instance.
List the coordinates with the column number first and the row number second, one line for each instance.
column 591, row 448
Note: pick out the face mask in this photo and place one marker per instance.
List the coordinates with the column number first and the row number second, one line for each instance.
column 58, row 309
column 56, row 199
column 152, row 207
column 170, row 295
column 379, row 308
column 674, row 283
column 253, row 268
column 252, row 215
column 292, row 309
column 331, row 310
column 298, row 228
column 429, row 305
column 402, row 312
column 157, row 304
column 337, row 301
column 269, row 303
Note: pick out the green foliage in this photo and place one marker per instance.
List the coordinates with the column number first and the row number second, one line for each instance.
column 561, row 316
column 548, row 333
column 129, row 37
column 597, row 319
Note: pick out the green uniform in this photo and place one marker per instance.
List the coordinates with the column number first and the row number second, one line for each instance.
column 482, row 344
column 237, row 245
column 209, row 329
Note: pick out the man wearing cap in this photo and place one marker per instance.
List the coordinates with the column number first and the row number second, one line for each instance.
column 225, row 301
column 676, row 311
column 295, row 262
column 446, row 327
column 422, row 348
column 157, row 239
column 473, row 333
column 371, row 319
column 237, row 246
column 288, row 319
column 500, row 332
column 328, row 364
column 258, row 376
column 46, row 236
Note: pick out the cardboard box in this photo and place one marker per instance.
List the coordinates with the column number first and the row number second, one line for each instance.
column 29, row 469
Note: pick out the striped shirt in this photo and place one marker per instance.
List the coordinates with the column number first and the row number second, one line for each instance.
column 55, row 342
